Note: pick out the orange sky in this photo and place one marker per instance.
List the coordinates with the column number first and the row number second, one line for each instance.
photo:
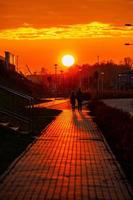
column 41, row 31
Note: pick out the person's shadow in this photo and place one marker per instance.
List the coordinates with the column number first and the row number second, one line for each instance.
column 78, row 119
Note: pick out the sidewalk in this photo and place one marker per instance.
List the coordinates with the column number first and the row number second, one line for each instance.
column 70, row 160
column 52, row 103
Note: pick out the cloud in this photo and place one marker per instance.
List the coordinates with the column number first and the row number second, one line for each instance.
column 77, row 31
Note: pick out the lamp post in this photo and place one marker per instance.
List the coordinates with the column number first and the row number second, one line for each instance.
column 102, row 79
column 80, row 77
column 96, row 78
column 128, row 25
column 55, row 67
column 98, row 60
column 119, row 82
column 61, row 82
column 128, row 44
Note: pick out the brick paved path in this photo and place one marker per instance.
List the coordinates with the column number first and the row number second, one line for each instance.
column 70, row 160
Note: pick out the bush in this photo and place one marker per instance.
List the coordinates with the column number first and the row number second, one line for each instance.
column 117, row 127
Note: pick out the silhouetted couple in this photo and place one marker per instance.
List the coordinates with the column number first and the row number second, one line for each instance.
column 79, row 97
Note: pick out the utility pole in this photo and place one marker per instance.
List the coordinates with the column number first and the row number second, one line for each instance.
column 55, row 66
column 98, row 60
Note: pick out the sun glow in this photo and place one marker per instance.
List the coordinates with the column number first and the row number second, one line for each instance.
column 68, row 60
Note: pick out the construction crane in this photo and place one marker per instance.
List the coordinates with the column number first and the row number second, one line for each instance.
column 29, row 70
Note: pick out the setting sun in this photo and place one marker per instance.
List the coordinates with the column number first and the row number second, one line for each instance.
column 68, row 60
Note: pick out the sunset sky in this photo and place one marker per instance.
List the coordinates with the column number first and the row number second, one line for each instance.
column 40, row 32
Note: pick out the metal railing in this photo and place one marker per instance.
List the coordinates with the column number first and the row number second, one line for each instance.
column 16, row 105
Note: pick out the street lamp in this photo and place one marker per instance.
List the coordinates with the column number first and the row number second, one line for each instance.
column 55, row 67
column 128, row 24
column 119, row 81
column 102, row 77
column 127, row 44
column 61, row 81
column 96, row 78
column 80, row 77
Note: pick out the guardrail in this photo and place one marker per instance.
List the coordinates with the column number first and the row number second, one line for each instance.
column 14, row 104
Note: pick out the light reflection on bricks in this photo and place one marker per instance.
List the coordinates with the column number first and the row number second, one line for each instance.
column 70, row 160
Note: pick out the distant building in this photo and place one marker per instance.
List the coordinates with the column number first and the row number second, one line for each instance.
column 2, row 60
column 44, row 79
column 38, row 78
column 35, row 78
column 125, row 80
column 8, row 61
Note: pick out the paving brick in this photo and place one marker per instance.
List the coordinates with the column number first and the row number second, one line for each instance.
column 70, row 160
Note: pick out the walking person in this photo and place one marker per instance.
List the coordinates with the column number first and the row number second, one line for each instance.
column 79, row 97
column 73, row 100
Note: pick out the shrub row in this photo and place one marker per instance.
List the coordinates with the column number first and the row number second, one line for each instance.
column 117, row 127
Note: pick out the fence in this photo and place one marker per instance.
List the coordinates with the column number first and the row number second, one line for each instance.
column 16, row 105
